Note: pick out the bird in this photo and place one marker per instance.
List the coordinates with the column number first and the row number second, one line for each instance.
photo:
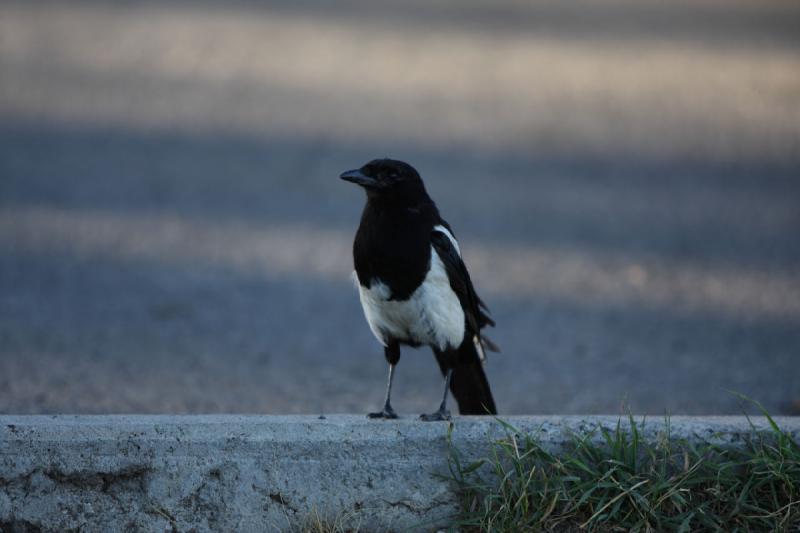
column 415, row 289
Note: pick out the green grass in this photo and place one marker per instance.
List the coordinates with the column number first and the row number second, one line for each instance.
column 316, row 522
column 615, row 480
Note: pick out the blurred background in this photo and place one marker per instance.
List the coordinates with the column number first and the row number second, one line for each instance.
column 624, row 178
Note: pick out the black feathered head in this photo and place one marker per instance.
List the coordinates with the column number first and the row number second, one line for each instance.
column 388, row 179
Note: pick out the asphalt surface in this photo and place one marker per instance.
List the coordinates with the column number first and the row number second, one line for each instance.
column 624, row 178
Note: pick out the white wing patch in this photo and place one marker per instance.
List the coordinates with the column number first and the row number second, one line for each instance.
column 432, row 315
column 446, row 232
column 475, row 338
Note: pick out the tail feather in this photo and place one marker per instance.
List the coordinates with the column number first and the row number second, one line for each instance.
column 468, row 384
column 483, row 343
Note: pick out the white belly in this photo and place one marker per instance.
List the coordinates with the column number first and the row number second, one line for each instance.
column 432, row 315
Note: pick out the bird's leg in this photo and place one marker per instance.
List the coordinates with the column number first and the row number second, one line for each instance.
column 442, row 413
column 392, row 353
column 387, row 411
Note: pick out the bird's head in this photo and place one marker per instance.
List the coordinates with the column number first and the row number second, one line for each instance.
column 388, row 179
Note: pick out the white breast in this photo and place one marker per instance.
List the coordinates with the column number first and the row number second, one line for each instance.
column 432, row 315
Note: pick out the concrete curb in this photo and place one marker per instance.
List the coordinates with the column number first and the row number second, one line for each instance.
column 259, row 473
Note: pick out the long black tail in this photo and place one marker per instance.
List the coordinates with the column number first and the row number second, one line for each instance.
column 468, row 384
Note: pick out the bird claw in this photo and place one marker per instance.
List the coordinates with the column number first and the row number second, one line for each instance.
column 438, row 416
column 387, row 414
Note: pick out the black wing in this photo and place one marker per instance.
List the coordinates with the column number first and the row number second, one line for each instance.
column 475, row 310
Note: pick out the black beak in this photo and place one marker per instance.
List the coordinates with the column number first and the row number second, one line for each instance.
column 359, row 178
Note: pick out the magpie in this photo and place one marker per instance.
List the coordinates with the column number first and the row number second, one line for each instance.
column 414, row 287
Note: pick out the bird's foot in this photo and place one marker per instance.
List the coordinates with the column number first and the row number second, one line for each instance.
column 387, row 413
column 440, row 415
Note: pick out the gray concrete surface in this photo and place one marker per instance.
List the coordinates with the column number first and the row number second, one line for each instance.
column 256, row 473
column 624, row 177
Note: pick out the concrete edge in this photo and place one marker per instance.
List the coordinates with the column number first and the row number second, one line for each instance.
column 265, row 473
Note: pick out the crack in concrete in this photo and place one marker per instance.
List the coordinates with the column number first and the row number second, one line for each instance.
column 19, row 526
column 103, row 481
column 277, row 497
column 212, row 497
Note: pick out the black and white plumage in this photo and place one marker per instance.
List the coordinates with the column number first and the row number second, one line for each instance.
column 414, row 287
